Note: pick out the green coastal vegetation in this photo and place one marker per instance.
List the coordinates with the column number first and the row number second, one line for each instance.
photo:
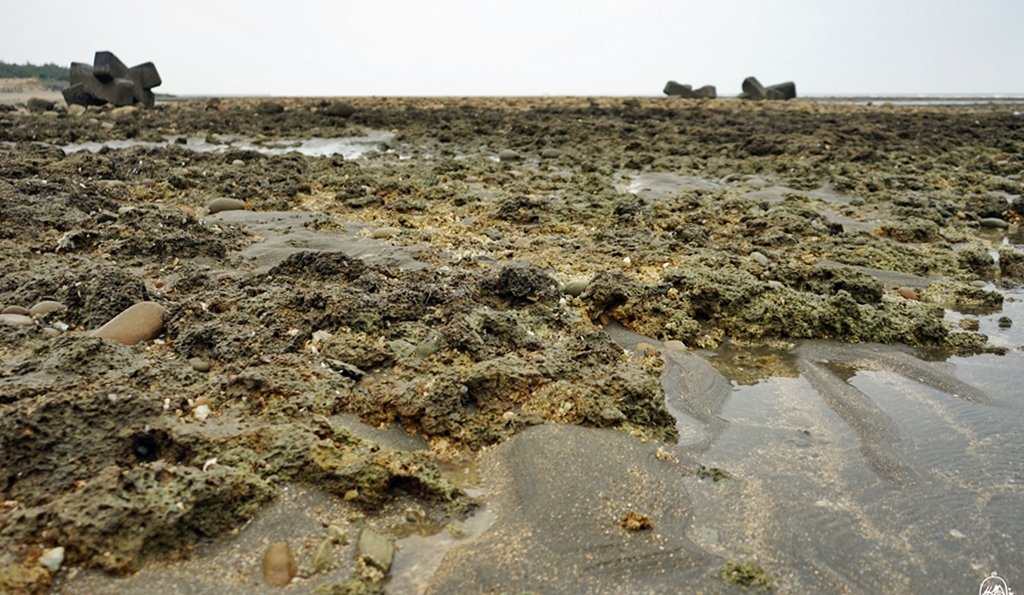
column 49, row 73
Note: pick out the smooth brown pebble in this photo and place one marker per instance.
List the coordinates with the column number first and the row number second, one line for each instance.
column 14, row 310
column 46, row 306
column 907, row 293
column 199, row 364
column 225, row 204
column 17, row 320
column 604, row 319
column 52, row 332
column 279, row 565
column 203, row 401
column 141, row 322
column 675, row 345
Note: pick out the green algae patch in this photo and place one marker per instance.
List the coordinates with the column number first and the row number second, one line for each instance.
column 746, row 574
column 702, row 306
column 958, row 295
column 714, row 473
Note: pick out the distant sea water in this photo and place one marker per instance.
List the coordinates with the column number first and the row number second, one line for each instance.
column 922, row 99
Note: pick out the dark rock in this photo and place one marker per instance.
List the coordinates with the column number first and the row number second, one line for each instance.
column 77, row 95
column 978, row 261
column 782, row 91
column 753, row 89
column 35, row 104
column 108, row 80
column 1011, row 263
column 674, row 89
column 339, row 110
column 985, row 206
column 1017, row 206
column 706, row 92
column 828, row 281
column 269, row 108
column 106, row 67
column 522, row 283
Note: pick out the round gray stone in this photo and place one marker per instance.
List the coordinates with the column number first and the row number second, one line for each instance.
column 225, row 204
column 509, row 155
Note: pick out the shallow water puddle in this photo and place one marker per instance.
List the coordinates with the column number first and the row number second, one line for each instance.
column 809, row 502
column 348, row 147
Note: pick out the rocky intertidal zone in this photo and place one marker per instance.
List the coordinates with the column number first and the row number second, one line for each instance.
column 451, row 281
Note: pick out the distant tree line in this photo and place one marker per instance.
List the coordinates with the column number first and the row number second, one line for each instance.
column 50, row 72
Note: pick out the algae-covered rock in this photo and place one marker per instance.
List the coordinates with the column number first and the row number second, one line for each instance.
column 959, row 295
column 1011, row 264
column 376, row 550
column 977, row 261
column 30, row 579
column 322, row 558
column 746, row 574
column 123, row 517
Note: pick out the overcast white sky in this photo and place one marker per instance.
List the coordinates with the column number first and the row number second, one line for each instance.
column 533, row 47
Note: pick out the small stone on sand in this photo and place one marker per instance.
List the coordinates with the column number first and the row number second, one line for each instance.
column 225, row 204
column 322, row 557
column 141, row 322
column 52, row 559
column 675, row 345
column 15, row 310
column 45, row 307
column 576, row 287
column 199, row 364
column 550, row 153
column 908, row 293
column 17, row 320
column 279, row 566
column 508, row 155
column 993, row 223
column 385, row 232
